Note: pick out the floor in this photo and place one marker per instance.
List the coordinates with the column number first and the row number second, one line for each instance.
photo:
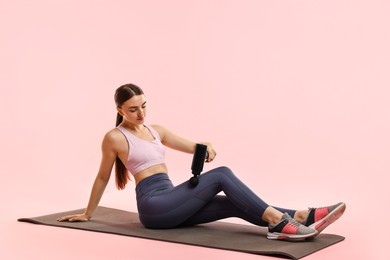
column 28, row 241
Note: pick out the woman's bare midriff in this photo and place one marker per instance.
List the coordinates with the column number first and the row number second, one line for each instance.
column 161, row 168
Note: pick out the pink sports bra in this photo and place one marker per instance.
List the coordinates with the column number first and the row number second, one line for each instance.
column 142, row 153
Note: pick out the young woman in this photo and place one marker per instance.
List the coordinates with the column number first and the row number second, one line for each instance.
column 137, row 148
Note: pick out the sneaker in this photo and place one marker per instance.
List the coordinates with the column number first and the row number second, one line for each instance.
column 289, row 229
column 320, row 218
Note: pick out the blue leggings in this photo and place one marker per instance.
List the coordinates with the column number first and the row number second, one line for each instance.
column 162, row 205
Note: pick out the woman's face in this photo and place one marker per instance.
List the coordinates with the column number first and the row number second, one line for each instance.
column 134, row 110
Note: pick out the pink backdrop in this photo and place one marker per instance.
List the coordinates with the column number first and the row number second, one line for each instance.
column 294, row 95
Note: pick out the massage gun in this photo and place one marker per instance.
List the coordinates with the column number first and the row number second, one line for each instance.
column 200, row 156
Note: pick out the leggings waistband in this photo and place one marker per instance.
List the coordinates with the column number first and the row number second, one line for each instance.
column 152, row 183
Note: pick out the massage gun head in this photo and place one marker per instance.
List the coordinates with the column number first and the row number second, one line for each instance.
column 194, row 181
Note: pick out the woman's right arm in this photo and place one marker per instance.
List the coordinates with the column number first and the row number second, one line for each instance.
column 109, row 155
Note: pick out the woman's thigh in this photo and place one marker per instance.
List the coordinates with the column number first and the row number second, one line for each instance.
column 171, row 207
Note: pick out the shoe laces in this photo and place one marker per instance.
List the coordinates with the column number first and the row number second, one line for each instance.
column 294, row 222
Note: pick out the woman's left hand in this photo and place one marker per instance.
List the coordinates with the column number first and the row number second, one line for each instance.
column 210, row 151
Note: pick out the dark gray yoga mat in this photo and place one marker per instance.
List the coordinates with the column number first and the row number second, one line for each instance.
column 220, row 235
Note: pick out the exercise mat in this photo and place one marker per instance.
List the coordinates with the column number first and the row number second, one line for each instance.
column 219, row 235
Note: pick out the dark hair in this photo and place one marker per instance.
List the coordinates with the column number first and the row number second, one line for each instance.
column 122, row 94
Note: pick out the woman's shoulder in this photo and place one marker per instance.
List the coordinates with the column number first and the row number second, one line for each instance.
column 114, row 136
column 113, row 142
column 158, row 128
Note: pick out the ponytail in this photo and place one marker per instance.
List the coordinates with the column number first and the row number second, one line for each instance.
column 121, row 173
column 122, row 94
column 119, row 119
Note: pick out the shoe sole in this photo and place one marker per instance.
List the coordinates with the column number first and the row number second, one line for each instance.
column 329, row 219
column 282, row 236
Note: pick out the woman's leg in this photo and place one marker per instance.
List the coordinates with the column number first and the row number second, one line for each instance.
column 184, row 204
column 220, row 208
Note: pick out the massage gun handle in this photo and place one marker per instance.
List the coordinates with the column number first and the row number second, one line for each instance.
column 198, row 162
column 199, row 158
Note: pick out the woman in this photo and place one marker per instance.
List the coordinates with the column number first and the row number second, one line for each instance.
column 139, row 149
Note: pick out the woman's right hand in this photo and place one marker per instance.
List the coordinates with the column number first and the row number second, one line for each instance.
column 75, row 218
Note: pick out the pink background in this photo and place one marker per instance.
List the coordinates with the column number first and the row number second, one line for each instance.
column 293, row 94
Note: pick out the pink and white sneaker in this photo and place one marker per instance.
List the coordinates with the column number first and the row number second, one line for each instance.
column 320, row 218
column 290, row 229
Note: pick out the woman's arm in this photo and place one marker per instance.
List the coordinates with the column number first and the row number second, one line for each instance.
column 108, row 158
column 171, row 140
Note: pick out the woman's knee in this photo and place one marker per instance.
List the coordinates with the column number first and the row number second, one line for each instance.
column 225, row 170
